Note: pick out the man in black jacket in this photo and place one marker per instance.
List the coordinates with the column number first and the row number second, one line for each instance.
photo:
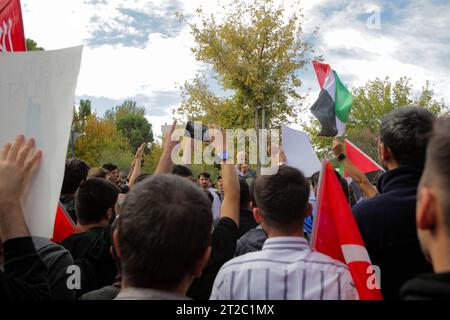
column 387, row 221
column 25, row 275
column 433, row 218
column 90, row 244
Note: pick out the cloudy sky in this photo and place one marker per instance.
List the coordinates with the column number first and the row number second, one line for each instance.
column 138, row 49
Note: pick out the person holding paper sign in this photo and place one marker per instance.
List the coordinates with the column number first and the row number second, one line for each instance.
column 25, row 275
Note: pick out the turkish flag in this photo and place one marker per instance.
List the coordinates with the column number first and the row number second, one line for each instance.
column 361, row 160
column 337, row 235
column 63, row 226
column 12, row 35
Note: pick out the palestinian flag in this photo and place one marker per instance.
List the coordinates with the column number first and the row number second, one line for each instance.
column 332, row 108
column 361, row 160
column 336, row 234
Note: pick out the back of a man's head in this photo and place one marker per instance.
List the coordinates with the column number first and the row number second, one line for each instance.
column 94, row 198
column 181, row 171
column 110, row 167
column 76, row 171
column 437, row 167
column 164, row 230
column 245, row 193
column 406, row 131
column 282, row 198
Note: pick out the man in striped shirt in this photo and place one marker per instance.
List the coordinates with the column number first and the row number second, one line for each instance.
column 286, row 267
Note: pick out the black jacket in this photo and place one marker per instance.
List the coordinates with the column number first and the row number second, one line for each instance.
column 429, row 286
column 388, row 226
column 246, row 221
column 91, row 252
column 25, row 276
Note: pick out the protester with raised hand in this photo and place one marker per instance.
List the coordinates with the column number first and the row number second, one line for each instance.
column 25, row 275
column 226, row 232
column 165, row 162
column 367, row 188
column 136, row 166
column 387, row 221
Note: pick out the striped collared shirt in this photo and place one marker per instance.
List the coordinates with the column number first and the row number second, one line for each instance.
column 285, row 268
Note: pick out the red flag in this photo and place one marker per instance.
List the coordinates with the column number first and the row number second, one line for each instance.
column 12, row 35
column 64, row 226
column 322, row 71
column 337, row 235
column 361, row 160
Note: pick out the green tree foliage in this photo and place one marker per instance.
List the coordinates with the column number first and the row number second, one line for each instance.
column 370, row 103
column 131, row 122
column 101, row 142
column 127, row 107
column 113, row 138
column 135, row 128
column 32, row 45
column 256, row 52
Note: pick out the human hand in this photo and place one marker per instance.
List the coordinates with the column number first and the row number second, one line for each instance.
column 169, row 145
column 337, row 147
column 19, row 161
column 139, row 152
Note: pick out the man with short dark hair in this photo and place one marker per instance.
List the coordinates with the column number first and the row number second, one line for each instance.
column 387, row 221
column 91, row 242
column 75, row 173
column 286, row 267
column 225, row 233
column 204, row 181
column 113, row 172
column 182, row 171
column 433, row 218
column 163, row 238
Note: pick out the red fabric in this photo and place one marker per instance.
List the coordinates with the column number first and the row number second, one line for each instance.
column 335, row 226
column 12, row 35
column 63, row 226
column 362, row 161
column 322, row 71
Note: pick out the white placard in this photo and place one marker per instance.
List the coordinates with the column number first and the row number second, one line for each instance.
column 299, row 151
column 36, row 99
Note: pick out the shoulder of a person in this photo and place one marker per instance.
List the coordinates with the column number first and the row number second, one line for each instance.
column 226, row 223
column 237, row 262
column 369, row 206
column 323, row 258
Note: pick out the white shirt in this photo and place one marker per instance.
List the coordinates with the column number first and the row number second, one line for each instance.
column 216, row 203
column 285, row 269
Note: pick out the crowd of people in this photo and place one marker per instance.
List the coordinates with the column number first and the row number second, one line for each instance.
column 170, row 235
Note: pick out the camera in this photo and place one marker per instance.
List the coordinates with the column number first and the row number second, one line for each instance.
column 197, row 131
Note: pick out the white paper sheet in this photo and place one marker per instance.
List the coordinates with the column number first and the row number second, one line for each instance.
column 36, row 99
column 299, row 151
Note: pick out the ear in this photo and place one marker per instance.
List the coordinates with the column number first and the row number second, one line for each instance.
column 257, row 215
column 116, row 243
column 309, row 211
column 109, row 214
column 381, row 152
column 202, row 262
column 426, row 209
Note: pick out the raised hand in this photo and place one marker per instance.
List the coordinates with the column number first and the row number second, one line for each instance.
column 18, row 162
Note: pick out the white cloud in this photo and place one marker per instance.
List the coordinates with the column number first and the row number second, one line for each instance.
column 416, row 44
